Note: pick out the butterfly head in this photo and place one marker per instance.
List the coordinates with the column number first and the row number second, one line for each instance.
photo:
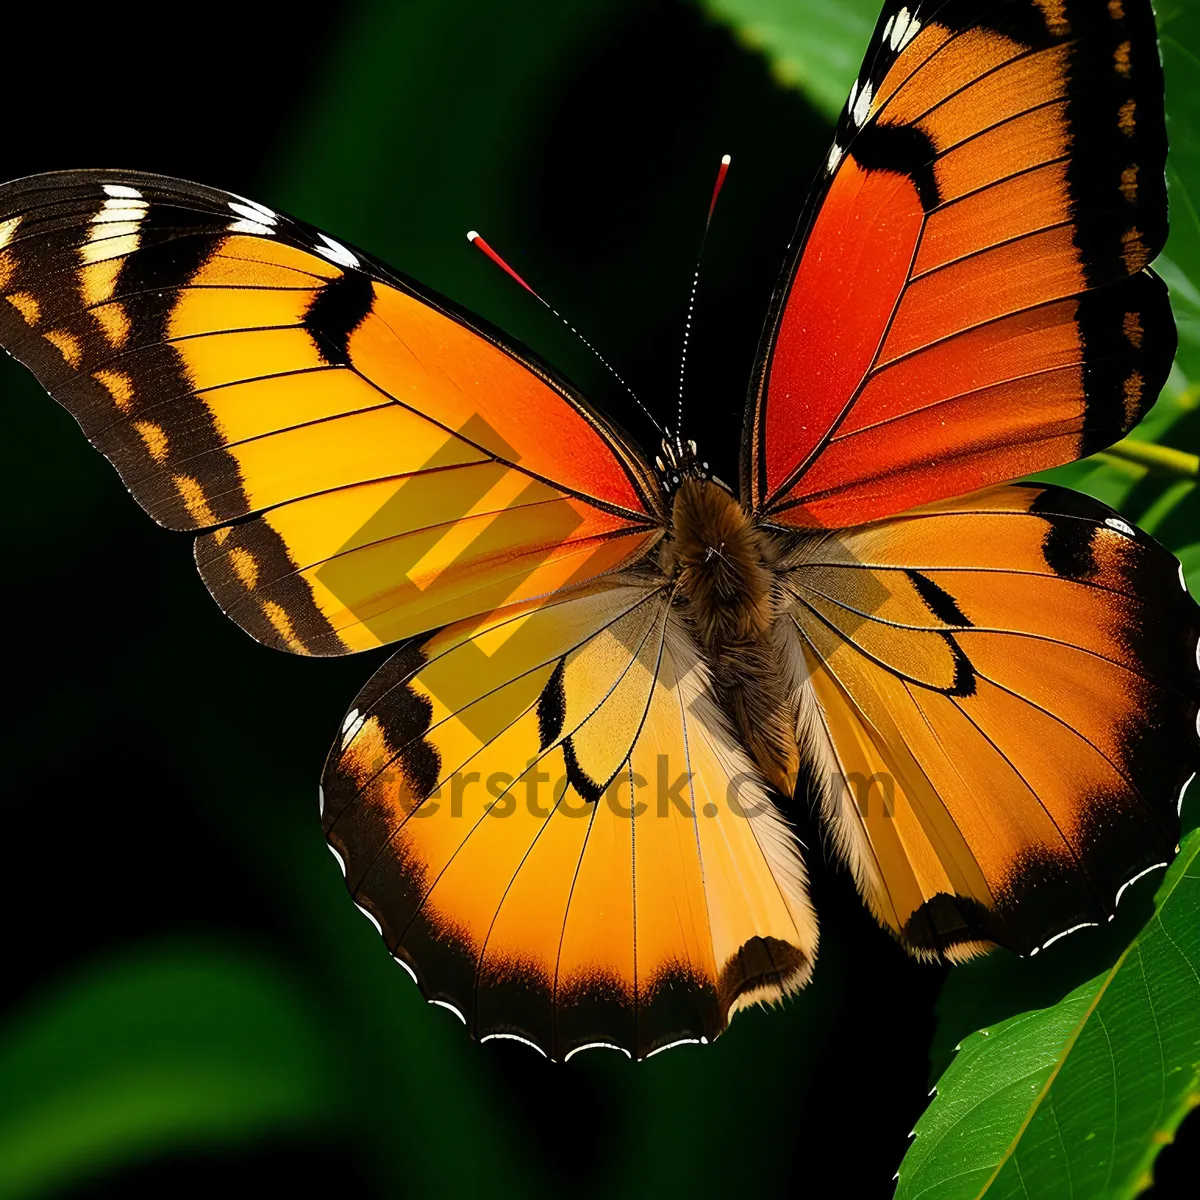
column 678, row 461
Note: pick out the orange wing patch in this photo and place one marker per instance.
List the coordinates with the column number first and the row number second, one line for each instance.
column 974, row 259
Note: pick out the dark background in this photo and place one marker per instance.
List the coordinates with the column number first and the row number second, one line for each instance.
column 160, row 799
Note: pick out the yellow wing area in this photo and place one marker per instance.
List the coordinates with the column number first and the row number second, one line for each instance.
column 556, row 833
column 363, row 462
column 1002, row 697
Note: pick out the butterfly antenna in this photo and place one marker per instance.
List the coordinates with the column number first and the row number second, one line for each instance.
column 722, row 171
column 481, row 244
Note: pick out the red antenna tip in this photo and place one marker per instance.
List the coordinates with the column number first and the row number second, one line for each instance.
column 481, row 244
column 722, row 171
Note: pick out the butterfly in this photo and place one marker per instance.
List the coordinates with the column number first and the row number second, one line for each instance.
column 564, row 800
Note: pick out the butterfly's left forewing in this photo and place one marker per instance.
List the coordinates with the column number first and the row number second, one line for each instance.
column 362, row 461
column 557, row 833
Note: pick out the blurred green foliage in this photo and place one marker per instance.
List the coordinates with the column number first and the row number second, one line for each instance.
column 816, row 45
column 194, row 1044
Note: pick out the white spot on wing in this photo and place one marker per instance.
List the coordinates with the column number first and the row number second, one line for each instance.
column 370, row 917
column 1065, row 932
column 411, row 972
column 512, row 1037
column 681, row 1042
column 1131, row 882
column 119, row 190
column 1182, row 576
column 320, row 799
column 862, row 106
column 449, row 1008
column 1120, row 526
column 350, row 726
column 1183, row 791
column 341, row 862
column 595, row 1046
column 835, row 157
column 254, row 211
column 899, row 29
column 250, row 227
column 336, row 252
column 254, row 218
column 914, row 27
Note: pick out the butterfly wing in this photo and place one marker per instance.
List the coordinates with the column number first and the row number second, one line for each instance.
column 362, row 461
column 969, row 302
column 1003, row 696
column 548, row 819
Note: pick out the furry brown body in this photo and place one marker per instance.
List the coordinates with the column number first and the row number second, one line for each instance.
column 727, row 588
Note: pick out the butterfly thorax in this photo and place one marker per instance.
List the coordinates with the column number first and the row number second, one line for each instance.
column 719, row 559
column 725, row 585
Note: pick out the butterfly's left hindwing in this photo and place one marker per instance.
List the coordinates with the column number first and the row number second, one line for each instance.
column 557, row 834
column 362, row 461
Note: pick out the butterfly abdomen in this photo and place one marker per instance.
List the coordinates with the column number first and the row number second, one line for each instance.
column 725, row 584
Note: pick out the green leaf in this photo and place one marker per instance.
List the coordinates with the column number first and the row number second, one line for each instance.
column 1078, row 1098
column 178, row 1048
column 816, row 46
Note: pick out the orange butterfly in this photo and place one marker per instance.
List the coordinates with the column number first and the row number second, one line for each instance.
column 563, row 800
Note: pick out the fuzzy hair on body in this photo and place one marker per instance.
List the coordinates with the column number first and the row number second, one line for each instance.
column 731, row 599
